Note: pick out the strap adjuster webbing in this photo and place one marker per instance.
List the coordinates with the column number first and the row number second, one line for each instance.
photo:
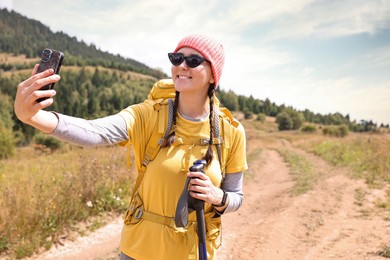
column 163, row 220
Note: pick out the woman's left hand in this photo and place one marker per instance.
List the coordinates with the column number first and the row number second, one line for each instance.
column 202, row 188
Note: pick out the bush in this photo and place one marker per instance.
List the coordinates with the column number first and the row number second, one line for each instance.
column 338, row 131
column 49, row 142
column 284, row 121
column 342, row 130
column 248, row 114
column 289, row 119
column 260, row 117
column 309, row 129
column 7, row 143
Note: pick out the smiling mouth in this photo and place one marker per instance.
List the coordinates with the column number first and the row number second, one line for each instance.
column 183, row 77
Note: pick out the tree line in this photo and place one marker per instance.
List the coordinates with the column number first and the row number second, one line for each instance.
column 96, row 92
column 21, row 35
column 288, row 115
column 108, row 87
column 82, row 93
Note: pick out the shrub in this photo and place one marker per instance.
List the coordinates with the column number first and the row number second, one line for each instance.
column 49, row 142
column 289, row 119
column 309, row 129
column 342, row 130
column 248, row 114
column 260, row 117
column 284, row 121
column 338, row 131
column 7, row 143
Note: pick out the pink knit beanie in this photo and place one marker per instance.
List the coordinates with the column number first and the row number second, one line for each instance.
column 210, row 49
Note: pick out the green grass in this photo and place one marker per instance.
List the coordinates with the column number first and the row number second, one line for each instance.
column 366, row 155
column 41, row 195
column 368, row 158
column 302, row 171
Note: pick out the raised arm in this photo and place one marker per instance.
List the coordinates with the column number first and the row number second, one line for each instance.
column 28, row 110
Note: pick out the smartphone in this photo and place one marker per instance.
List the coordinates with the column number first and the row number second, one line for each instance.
column 50, row 59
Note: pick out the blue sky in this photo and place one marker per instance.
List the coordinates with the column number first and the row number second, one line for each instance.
column 324, row 55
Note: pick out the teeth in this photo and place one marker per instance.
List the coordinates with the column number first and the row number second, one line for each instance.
column 183, row 77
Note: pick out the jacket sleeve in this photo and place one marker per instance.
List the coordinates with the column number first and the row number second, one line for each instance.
column 98, row 132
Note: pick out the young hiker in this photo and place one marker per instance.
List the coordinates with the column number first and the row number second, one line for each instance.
column 197, row 129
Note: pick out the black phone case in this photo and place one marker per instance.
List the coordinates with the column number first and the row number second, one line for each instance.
column 50, row 59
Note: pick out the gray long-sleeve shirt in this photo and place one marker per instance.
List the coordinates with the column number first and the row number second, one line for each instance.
column 112, row 130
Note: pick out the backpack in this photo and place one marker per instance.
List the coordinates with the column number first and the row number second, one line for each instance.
column 161, row 97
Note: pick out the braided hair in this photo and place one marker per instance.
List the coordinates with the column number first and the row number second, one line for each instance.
column 208, row 157
column 172, row 136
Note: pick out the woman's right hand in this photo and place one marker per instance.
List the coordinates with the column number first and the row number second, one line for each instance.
column 27, row 109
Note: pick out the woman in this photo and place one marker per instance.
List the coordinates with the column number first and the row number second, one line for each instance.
column 197, row 64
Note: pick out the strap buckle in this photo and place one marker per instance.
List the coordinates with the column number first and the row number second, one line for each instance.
column 138, row 213
column 204, row 141
column 215, row 140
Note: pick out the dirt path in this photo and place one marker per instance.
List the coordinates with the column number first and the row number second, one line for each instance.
column 329, row 222
column 324, row 223
column 101, row 244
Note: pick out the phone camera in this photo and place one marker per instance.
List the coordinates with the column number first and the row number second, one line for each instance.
column 46, row 54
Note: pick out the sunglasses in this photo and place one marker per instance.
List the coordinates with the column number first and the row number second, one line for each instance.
column 192, row 61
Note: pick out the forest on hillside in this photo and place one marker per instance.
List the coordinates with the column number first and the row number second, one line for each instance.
column 21, row 35
column 96, row 83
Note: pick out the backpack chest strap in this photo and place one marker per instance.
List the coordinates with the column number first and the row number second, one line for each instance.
column 197, row 141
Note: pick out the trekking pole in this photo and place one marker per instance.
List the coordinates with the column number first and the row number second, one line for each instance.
column 199, row 208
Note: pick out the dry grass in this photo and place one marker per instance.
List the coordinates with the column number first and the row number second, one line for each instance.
column 42, row 195
column 91, row 69
column 366, row 154
column 6, row 58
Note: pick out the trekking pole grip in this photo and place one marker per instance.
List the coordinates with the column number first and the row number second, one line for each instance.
column 199, row 208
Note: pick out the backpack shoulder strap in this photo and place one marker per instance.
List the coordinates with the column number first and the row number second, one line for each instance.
column 160, row 133
column 161, row 97
column 226, row 122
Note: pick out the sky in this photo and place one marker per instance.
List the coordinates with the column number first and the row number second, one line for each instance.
column 327, row 56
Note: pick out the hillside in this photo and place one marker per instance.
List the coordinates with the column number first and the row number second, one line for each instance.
column 96, row 83
column 21, row 35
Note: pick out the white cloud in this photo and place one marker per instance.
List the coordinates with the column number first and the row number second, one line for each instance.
column 344, row 95
column 246, row 65
column 333, row 19
column 379, row 57
column 243, row 14
column 6, row 4
column 369, row 103
column 147, row 30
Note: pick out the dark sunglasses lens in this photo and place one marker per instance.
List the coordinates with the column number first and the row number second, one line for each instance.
column 176, row 58
column 194, row 61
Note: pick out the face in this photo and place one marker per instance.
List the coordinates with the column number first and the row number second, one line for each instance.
column 192, row 80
